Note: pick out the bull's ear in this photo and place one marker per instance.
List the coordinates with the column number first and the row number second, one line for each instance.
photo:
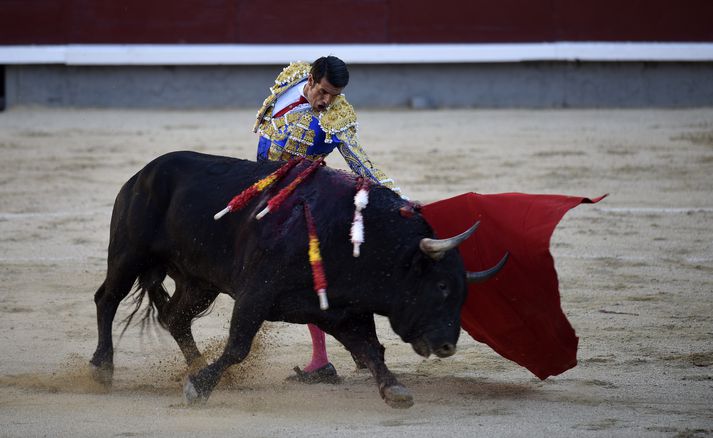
column 419, row 263
column 407, row 211
column 410, row 209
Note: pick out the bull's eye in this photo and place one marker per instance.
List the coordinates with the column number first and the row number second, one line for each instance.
column 443, row 287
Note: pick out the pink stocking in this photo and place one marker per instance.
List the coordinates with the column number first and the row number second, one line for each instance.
column 319, row 349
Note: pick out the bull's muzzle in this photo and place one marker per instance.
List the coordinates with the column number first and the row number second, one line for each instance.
column 441, row 349
column 445, row 350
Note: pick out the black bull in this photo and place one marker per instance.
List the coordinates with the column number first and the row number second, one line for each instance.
column 162, row 224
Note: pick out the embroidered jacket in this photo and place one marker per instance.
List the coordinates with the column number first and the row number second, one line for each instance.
column 311, row 134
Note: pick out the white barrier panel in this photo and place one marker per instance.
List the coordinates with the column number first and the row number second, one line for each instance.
column 267, row 54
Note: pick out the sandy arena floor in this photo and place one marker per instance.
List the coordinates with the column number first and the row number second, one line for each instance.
column 635, row 272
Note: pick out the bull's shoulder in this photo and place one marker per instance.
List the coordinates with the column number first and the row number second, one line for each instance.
column 342, row 183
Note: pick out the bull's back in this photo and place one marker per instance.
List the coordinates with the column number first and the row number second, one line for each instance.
column 174, row 197
column 175, row 171
column 176, row 185
column 165, row 212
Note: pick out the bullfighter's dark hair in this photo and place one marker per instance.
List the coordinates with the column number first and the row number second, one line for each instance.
column 331, row 68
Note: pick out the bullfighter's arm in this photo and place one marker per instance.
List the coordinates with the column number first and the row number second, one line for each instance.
column 359, row 162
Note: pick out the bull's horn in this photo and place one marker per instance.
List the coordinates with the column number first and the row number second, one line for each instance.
column 436, row 248
column 481, row 276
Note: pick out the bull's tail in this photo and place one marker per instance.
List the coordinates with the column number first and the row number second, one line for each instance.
column 149, row 283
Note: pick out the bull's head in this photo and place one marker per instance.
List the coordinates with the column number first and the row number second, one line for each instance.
column 428, row 316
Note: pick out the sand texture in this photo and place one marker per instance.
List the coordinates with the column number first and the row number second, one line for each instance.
column 636, row 279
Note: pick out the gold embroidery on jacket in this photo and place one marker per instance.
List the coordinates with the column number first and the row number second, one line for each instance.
column 290, row 76
column 338, row 122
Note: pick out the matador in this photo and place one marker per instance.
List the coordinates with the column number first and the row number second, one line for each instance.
column 306, row 115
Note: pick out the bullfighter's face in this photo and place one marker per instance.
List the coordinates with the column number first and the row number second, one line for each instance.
column 320, row 94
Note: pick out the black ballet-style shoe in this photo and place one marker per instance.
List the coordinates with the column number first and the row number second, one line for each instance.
column 326, row 374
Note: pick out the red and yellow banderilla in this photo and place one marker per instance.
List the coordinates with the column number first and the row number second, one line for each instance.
column 315, row 260
column 246, row 195
column 277, row 200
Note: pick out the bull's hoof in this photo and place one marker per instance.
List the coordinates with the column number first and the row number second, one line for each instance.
column 397, row 397
column 192, row 394
column 103, row 374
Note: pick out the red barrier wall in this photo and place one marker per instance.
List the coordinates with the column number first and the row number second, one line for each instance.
column 363, row 21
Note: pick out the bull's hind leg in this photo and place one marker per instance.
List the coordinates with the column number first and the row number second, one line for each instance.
column 187, row 303
column 117, row 285
column 248, row 315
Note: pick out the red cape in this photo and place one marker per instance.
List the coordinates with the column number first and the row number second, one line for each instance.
column 517, row 313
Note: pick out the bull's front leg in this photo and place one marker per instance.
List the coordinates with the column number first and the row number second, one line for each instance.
column 358, row 335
